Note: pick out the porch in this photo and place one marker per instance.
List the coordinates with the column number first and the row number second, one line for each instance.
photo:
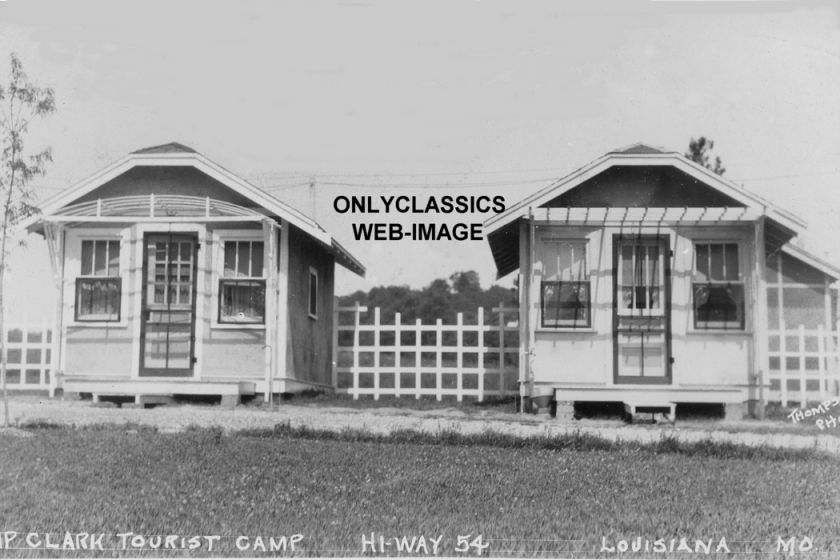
column 156, row 391
column 653, row 393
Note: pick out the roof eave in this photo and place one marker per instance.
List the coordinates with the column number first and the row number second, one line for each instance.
column 200, row 162
column 812, row 260
column 558, row 187
column 348, row 261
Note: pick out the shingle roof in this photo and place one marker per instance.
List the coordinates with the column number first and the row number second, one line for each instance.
column 170, row 148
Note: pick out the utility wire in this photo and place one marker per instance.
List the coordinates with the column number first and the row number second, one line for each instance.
column 437, row 185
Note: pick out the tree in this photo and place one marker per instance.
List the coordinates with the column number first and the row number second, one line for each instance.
column 465, row 282
column 21, row 101
column 699, row 151
column 442, row 299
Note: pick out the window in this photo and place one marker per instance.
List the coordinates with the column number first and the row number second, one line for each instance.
column 99, row 286
column 565, row 293
column 641, row 277
column 718, row 288
column 242, row 286
column 313, row 293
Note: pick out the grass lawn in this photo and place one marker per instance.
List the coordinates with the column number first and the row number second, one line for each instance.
column 523, row 501
column 696, row 417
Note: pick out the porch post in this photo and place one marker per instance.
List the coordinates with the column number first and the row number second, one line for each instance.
column 269, row 254
column 54, row 234
column 281, row 313
column 760, row 315
column 525, row 233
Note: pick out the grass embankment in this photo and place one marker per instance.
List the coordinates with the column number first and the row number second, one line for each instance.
column 525, row 497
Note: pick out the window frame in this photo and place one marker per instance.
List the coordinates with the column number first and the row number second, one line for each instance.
column 228, row 280
column 586, row 323
column 565, row 324
column 739, row 324
column 659, row 283
column 221, row 239
column 312, row 299
column 108, row 238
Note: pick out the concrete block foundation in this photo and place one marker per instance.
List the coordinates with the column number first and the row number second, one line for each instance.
column 734, row 411
column 230, row 400
column 565, row 410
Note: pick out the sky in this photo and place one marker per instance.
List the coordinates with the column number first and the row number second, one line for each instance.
column 430, row 98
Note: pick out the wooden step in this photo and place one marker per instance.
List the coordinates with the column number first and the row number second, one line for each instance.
column 635, row 409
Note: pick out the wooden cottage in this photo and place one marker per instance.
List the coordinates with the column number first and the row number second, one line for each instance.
column 649, row 280
column 175, row 276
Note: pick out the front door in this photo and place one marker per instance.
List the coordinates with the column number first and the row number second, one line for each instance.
column 167, row 334
column 641, row 309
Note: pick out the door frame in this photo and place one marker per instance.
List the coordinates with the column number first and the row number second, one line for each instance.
column 664, row 240
column 190, row 372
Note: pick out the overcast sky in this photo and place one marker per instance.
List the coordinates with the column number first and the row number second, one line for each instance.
column 476, row 97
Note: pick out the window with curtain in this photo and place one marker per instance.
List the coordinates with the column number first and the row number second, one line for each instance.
column 99, row 286
column 242, row 285
column 565, row 298
column 717, row 287
column 641, row 277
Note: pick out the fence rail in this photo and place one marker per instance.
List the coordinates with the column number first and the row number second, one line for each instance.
column 28, row 357
column 804, row 365
column 414, row 360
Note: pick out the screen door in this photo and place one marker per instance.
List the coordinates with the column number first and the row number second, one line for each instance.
column 642, row 310
column 167, row 335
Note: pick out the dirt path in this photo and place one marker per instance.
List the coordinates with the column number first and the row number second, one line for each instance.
column 385, row 420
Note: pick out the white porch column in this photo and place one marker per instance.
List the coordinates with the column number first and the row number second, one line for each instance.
column 281, row 310
column 526, row 233
column 269, row 258
column 54, row 234
column 760, row 315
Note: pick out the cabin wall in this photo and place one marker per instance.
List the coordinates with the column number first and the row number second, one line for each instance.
column 98, row 349
column 228, row 351
column 112, row 349
column 309, row 348
column 223, row 351
column 585, row 356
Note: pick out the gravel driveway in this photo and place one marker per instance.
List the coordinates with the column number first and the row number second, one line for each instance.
column 384, row 420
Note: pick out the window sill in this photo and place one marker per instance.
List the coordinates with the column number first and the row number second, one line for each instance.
column 98, row 324
column 638, row 315
column 238, row 326
column 742, row 332
column 581, row 330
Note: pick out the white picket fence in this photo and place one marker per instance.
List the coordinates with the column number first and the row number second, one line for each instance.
column 476, row 360
column 28, row 357
column 804, row 365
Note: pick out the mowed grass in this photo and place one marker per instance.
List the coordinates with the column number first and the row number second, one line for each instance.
column 525, row 501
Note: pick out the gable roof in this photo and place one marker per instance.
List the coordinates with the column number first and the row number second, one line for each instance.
column 642, row 154
column 640, row 148
column 503, row 233
column 175, row 154
column 170, row 148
